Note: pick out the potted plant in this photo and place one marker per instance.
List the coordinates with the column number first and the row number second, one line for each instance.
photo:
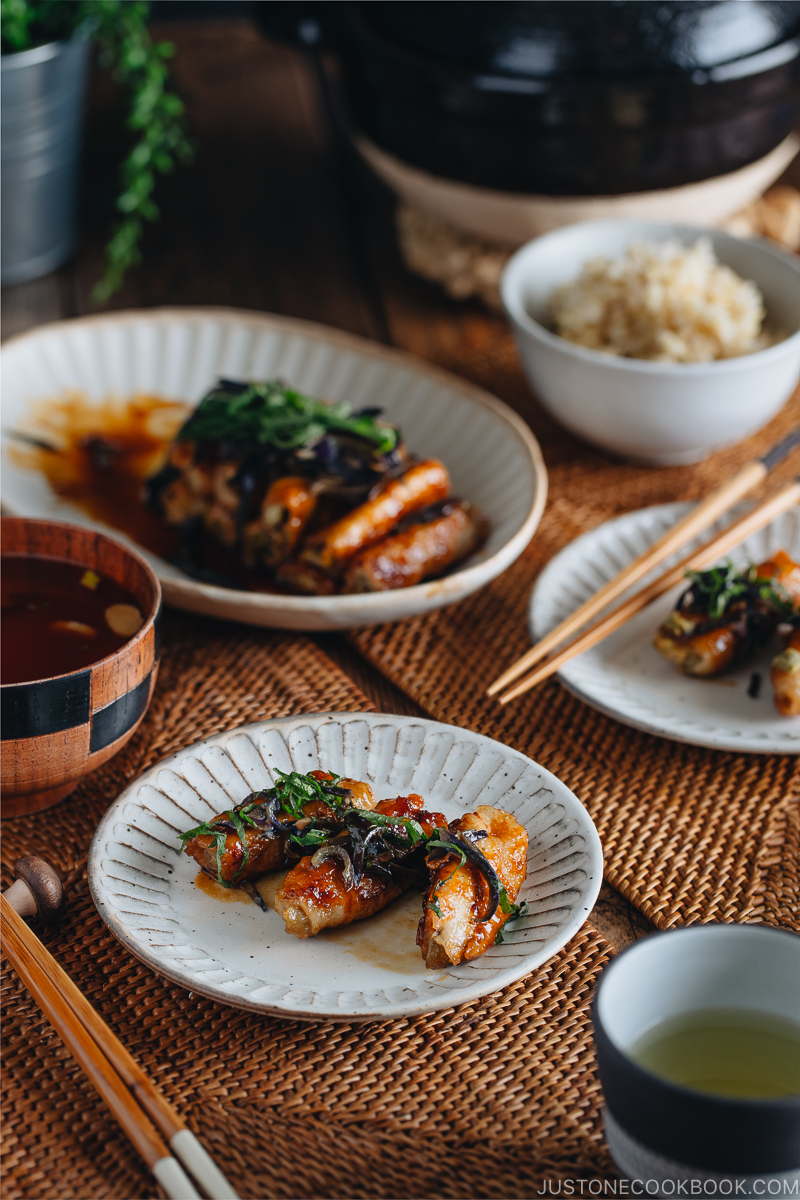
column 45, row 56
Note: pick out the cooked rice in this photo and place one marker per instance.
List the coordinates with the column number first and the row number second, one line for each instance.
column 664, row 302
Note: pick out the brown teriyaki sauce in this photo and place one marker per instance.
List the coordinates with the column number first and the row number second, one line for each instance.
column 98, row 456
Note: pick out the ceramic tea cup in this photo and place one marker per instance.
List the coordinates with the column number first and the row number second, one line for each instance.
column 674, row 1138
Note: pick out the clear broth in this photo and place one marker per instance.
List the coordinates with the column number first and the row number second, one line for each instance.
column 726, row 1051
column 52, row 623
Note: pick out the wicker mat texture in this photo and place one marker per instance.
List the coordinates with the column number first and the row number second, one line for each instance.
column 688, row 834
column 487, row 1099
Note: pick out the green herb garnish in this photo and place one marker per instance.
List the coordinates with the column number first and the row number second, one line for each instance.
column 312, row 839
column 719, row 586
column 269, row 414
column 295, row 791
column 516, row 910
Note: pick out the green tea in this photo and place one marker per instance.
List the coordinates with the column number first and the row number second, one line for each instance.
column 726, row 1051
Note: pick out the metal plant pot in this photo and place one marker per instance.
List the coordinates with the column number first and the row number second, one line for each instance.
column 40, row 128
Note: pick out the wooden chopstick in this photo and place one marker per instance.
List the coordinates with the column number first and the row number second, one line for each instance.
column 694, row 523
column 139, row 1108
column 766, row 512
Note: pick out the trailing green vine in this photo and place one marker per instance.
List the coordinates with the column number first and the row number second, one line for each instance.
column 155, row 114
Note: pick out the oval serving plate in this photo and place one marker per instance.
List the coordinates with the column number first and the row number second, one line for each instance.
column 493, row 458
column 625, row 676
column 235, row 953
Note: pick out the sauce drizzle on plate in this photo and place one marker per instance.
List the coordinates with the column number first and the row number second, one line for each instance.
column 97, row 457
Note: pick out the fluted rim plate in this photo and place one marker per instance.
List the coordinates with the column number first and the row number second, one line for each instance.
column 238, row 955
column 493, row 457
column 625, row 676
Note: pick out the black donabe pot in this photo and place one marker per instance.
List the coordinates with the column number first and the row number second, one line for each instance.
column 576, row 97
column 661, row 1130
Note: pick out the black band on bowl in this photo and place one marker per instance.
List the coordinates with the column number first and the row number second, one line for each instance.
column 718, row 1133
column 50, row 706
column 116, row 718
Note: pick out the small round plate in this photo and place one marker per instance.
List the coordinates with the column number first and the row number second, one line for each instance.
column 237, row 954
column 493, row 458
column 625, row 677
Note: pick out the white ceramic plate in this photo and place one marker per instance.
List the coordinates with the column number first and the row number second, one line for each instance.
column 625, row 677
column 239, row 955
column 493, row 458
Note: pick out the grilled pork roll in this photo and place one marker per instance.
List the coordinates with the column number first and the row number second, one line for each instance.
column 183, row 488
column 285, row 512
column 468, row 900
column 233, row 850
column 339, row 884
column 785, row 677
column 265, row 850
column 299, row 576
column 317, row 896
column 698, row 653
column 784, row 573
column 249, row 464
column 725, row 615
column 360, row 795
column 423, row 484
column 420, row 551
column 294, row 488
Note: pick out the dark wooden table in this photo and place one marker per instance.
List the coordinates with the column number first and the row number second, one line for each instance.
column 275, row 214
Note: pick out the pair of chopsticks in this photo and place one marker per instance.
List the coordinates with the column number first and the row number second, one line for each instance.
column 691, row 526
column 151, row 1124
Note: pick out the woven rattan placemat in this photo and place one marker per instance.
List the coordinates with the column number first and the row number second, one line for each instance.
column 688, row 834
column 484, row 1100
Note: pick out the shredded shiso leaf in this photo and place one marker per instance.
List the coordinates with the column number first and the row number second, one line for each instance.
column 270, row 414
column 714, row 590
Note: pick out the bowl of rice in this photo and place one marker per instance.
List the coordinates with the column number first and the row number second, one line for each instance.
column 658, row 342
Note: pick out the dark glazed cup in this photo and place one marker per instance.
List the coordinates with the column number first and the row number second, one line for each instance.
column 668, row 1136
column 56, row 730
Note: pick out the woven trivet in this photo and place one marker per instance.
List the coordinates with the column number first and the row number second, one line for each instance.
column 688, row 834
column 492, row 1098
column 468, row 266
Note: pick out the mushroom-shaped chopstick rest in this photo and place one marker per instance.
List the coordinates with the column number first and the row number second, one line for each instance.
column 36, row 891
